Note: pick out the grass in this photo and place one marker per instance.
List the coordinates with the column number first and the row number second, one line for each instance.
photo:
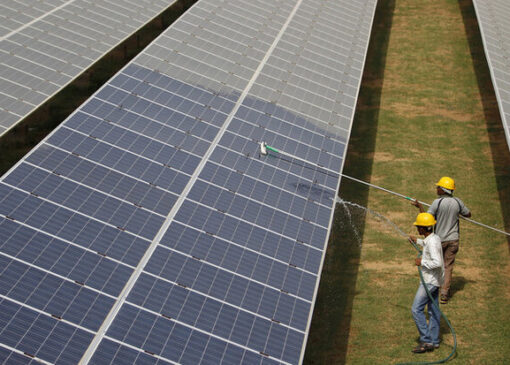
column 426, row 109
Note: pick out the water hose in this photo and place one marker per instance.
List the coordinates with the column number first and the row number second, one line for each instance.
column 442, row 315
column 403, row 234
column 428, row 205
column 264, row 148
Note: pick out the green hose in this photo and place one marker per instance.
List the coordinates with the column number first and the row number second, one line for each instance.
column 442, row 315
column 419, row 269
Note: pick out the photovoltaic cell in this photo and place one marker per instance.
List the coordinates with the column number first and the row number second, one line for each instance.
column 494, row 22
column 152, row 230
column 43, row 334
column 45, row 44
column 11, row 357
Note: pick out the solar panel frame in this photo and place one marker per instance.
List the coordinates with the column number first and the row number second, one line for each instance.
column 493, row 21
column 255, row 182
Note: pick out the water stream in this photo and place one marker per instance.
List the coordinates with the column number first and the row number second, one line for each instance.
column 346, row 204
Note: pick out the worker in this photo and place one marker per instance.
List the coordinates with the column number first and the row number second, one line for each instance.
column 446, row 210
column 432, row 268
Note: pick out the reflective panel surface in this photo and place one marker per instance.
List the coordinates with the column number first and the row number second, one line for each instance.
column 46, row 44
column 494, row 22
column 149, row 228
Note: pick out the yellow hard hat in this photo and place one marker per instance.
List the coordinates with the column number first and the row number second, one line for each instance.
column 446, row 182
column 425, row 220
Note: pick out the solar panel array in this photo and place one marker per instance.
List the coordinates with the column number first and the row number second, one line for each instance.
column 46, row 44
column 494, row 22
column 147, row 228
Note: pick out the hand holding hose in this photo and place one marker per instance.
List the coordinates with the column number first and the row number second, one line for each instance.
column 412, row 239
column 418, row 205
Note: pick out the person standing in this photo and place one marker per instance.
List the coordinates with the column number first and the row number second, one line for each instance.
column 432, row 268
column 446, row 210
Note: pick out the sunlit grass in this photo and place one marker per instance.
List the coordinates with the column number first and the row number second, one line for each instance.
column 425, row 110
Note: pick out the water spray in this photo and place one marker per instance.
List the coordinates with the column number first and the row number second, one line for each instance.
column 264, row 148
column 415, row 246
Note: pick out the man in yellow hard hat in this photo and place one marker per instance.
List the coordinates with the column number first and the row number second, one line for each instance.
column 432, row 268
column 446, row 210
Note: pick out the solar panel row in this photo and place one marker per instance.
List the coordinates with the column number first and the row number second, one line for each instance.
column 44, row 45
column 494, row 22
column 148, row 229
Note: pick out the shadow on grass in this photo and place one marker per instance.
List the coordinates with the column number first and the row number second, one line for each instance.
column 458, row 284
column 499, row 147
column 329, row 332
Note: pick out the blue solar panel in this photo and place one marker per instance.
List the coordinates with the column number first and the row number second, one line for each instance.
column 152, row 230
column 11, row 357
column 41, row 335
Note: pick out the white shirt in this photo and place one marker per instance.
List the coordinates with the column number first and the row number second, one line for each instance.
column 432, row 264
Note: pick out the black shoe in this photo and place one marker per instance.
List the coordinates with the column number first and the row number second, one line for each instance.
column 423, row 347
